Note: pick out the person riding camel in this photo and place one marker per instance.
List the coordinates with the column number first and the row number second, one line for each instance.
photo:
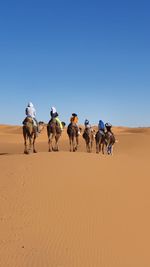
column 54, row 115
column 31, row 113
column 87, row 128
column 74, row 120
column 108, row 128
column 101, row 127
column 109, row 136
column 87, row 124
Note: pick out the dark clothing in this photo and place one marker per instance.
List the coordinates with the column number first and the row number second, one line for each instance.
column 53, row 115
column 109, row 131
column 108, row 128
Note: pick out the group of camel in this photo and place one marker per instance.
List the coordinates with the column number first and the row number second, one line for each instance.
column 54, row 132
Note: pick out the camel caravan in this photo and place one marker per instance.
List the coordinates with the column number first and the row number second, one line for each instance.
column 103, row 138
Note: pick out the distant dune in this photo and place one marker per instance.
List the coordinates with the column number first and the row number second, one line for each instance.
column 64, row 209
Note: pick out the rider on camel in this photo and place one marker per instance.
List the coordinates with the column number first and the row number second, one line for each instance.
column 74, row 120
column 110, row 134
column 87, row 124
column 31, row 113
column 101, row 127
column 54, row 115
column 108, row 128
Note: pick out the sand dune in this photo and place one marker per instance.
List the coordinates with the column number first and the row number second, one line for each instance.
column 75, row 209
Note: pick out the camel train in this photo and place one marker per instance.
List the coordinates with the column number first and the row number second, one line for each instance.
column 104, row 137
column 54, row 133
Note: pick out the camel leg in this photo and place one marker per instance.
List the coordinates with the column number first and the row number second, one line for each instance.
column 50, row 142
column 103, row 147
column 30, row 143
column 91, row 146
column 109, row 149
column 56, row 143
column 25, row 146
column 57, row 148
column 57, row 139
column 49, row 145
column 25, row 141
column 34, row 150
column 88, row 147
column 70, row 142
column 74, row 145
column 97, row 148
column 77, row 142
column 98, row 145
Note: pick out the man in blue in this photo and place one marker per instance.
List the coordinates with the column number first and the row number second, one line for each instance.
column 101, row 127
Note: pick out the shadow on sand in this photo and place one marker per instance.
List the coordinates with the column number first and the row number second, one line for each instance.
column 2, row 154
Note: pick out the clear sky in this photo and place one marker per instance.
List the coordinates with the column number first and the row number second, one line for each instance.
column 90, row 57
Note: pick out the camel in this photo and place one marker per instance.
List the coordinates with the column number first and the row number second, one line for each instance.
column 73, row 133
column 54, row 132
column 30, row 134
column 110, row 140
column 104, row 139
column 100, row 141
column 88, row 136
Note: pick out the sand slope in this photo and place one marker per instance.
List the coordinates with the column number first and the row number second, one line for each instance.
column 74, row 209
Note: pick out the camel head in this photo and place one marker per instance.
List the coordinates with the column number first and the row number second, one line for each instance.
column 63, row 124
column 41, row 125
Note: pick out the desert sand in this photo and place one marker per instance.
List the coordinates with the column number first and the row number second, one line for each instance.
column 64, row 209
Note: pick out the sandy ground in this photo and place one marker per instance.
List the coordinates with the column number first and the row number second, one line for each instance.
column 64, row 209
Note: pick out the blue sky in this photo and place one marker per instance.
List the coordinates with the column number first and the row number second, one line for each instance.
column 89, row 57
